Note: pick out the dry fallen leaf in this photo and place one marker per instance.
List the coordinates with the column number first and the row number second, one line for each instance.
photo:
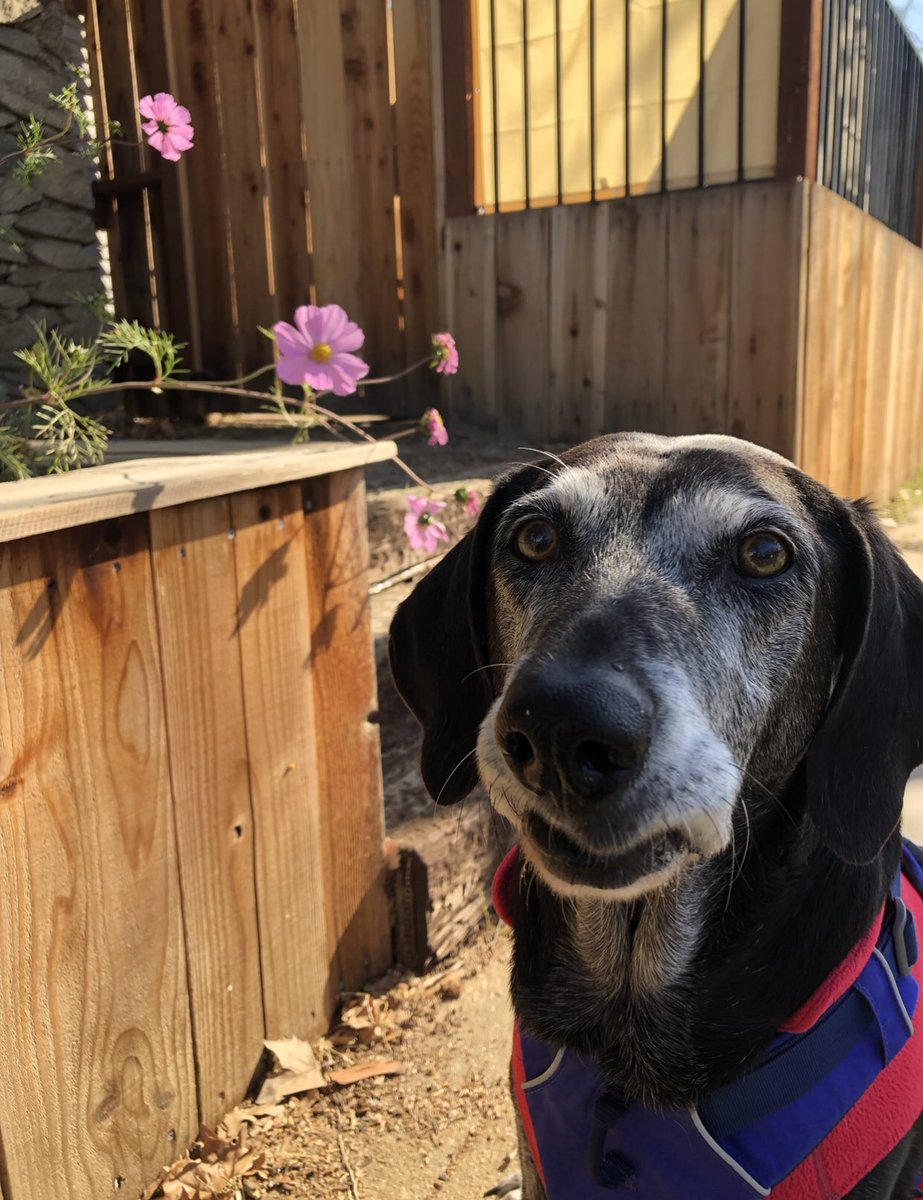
column 221, row 1161
column 354, row 1074
column 299, row 1071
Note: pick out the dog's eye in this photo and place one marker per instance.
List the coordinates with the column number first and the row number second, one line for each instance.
column 537, row 540
column 762, row 555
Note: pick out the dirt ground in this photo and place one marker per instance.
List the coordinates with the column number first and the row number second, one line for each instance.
column 442, row 1126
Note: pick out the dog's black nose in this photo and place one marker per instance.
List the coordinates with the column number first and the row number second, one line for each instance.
column 582, row 737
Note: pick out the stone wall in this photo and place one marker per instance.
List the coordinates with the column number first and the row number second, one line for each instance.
column 49, row 252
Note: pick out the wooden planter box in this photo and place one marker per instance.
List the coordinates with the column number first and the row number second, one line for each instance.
column 190, row 796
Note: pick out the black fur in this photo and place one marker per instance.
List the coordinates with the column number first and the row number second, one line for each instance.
column 816, row 824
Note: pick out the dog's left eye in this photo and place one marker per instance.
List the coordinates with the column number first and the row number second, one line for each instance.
column 762, row 555
column 536, row 540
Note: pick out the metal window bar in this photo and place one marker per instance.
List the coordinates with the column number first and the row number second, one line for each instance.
column 871, row 109
column 527, row 124
column 742, row 92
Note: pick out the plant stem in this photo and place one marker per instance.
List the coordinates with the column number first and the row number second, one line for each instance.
column 183, row 385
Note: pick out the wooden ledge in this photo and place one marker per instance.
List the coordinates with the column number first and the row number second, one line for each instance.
column 118, row 489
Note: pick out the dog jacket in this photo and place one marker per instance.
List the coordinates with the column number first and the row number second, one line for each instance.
column 835, row 1092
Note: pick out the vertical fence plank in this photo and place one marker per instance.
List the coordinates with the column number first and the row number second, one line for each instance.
column 577, row 312
column 345, row 702
column 416, row 158
column 841, row 401
column 365, row 58
column 767, row 272
column 333, row 195
column 190, row 51
column 523, row 361
column 243, row 152
column 820, row 375
column 636, row 326
column 699, row 298
column 471, row 270
column 167, row 230
column 96, row 1062
column 278, row 64
column 197, row 607
column 124, row 216
column 274, row 624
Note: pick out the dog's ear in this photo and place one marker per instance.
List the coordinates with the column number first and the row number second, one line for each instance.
column 871, row 736
column 439, row 650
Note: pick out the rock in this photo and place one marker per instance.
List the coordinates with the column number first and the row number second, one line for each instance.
column 10, row 253
column 55, row 288
column 60, row 36
column 27, row 95
column 16, row 10
column 68, row 180
column 64, row 255
column 17, row 40
column 13, row 297
column 14, row 197
column 58, row 222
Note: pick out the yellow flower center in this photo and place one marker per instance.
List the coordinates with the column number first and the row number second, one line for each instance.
column 322, row 352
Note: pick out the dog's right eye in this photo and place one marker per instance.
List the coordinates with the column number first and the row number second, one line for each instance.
column 536, row 540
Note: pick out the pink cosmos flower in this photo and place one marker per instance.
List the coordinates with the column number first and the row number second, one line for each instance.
column 168, row 125
column 315, row 351
column 435, row 427
column 422, row 531
column 470, row 498
column 445, row 354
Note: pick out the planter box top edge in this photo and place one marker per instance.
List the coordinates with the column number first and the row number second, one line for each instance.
column 118, row 489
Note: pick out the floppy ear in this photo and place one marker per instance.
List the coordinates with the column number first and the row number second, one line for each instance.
column 439, row 651
column 871, row 737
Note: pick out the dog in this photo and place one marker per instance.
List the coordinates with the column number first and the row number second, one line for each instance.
column 691, row 678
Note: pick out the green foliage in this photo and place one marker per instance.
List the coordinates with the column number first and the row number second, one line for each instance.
column 62, row 366
column 123, row 337
column 35, row 155
column 63, row 439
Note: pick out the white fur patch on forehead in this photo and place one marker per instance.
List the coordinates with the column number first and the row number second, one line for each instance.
column 581, row 492
column 701, row 514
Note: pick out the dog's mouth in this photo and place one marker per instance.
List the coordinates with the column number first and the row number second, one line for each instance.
column 573, row 864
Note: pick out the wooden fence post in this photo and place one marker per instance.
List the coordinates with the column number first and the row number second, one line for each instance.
column 799, row 88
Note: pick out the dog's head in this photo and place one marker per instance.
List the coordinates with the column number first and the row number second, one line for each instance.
column 650, row 640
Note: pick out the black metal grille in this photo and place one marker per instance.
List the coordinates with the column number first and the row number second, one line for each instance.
column 498, row 165
column 871, row 118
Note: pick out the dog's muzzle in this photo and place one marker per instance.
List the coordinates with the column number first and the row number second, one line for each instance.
column 575, row 738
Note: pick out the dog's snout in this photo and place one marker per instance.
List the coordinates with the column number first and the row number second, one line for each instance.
column 580, row 739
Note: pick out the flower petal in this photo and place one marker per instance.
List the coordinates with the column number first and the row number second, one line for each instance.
column 157, row 139
column 351, row 338
column 310, row 322
column 290, row 341
column 417, row 505
column 293, row 369
column 146, row 106
column 320, row 377
column 182, row 115
column 414, row 532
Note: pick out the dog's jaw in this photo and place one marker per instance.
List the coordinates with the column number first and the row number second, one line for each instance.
column 690, row 791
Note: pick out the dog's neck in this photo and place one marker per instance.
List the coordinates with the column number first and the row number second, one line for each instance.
column 670, row 994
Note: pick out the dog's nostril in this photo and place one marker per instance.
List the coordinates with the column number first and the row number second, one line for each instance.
column 599, row 758
column 519, row 749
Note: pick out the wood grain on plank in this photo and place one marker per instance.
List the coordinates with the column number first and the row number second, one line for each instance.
column 331, row 186
column 365, row 64
column 279, row 79
column 190, row 40
column 579, row 280
column 96, row 1060
column 97, row 493
column 243, row 151
column 765, row 335
column 416, row 159
column 274, row 631
column 636, row 319
column 471, row 285
column 699, row 301
column 523, row 359
column 197, row 605
column 347, row 739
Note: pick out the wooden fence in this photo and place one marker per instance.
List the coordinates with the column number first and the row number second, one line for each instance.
column 776, row 312
column 190, row 797
column 313, row 177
